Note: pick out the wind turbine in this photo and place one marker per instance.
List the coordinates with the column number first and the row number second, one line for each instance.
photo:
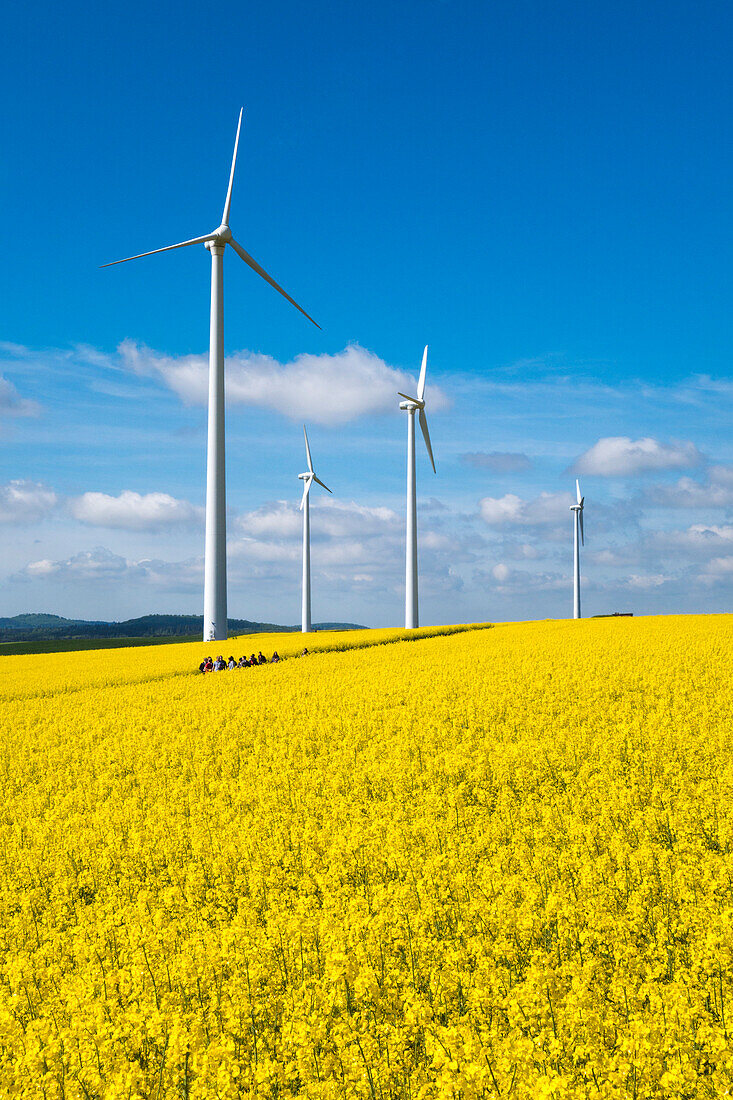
column 577, row 526
column 308, row 478
column 215, row 564
column 411, row 405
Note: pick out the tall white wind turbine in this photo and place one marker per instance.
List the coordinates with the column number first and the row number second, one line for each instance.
column 215, row 565
column 411, row 405
column 577, row 509
column 309, row 477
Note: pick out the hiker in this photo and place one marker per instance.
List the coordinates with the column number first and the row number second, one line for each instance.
column 231, row 663
column 275, row 658
column 243, row 662
column 253, row 660
column 202, row 666
column 261, row 659
column 219, row 664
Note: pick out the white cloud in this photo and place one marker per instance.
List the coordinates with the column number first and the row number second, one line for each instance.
column 277, row 519
column 336, row 519
column 249, row 549
column 499, row 510
column 347, row 541
column 102, row 566
column 721, row 475
column 507, row 581
column 351, row 544
column 620, row 456
column 12, row 404
column 25, row 501
column 717, row 571
column 324, row 389
column 699, row 540
column 511, row 509
column 652, row 580
column 89, row 565
column 615, row 558
column 134, row 511
column 716, row 492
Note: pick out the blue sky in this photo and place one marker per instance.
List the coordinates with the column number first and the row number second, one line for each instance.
column 540, row 192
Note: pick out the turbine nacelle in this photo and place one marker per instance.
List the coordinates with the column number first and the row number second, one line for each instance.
column 223, row 236
column 215, row 588
column 579, row 509
column 310, row 475
column 417, row 404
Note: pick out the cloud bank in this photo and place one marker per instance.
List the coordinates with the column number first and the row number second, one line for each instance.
column 101, row 566
column 715, row 492
column 512, row 510
column 134, row 511
column 620, row 456
column 324, row 389
column 25, row 501
column 12, row 404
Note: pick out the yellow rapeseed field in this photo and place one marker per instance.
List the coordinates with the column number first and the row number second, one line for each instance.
column 491, row 864
column 48, row 674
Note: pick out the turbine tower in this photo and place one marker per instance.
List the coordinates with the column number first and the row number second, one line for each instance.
column 411, row 405
column 215, row 563
column 308, row 478
column 577, row 526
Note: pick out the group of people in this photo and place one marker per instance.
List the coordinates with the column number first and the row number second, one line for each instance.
column 220, row 664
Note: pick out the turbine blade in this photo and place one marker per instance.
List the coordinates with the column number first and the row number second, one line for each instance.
column 580, row 517
column 168, row 247
column 306, row 490
column 261, row 271
column 426, row 437
column 423, row 371
column 228, row 202
column 577, row 490
column 407, row 398
column 308, row 450
column 321, row 483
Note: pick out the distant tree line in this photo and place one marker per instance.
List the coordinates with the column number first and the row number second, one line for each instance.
column 22, row 628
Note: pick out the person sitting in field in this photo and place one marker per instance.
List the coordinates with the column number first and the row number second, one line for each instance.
column 243, row 662
column 261, row 659
column 253, row 660
column 275, row 658
column 231, row 663
column 209, row 665
column 219, row 664
column 304, row 653
column 202, row 666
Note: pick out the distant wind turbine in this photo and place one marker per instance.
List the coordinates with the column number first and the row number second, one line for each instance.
column 577, row 526
column 411, row 405
column 309, row 477
column 215, row 564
